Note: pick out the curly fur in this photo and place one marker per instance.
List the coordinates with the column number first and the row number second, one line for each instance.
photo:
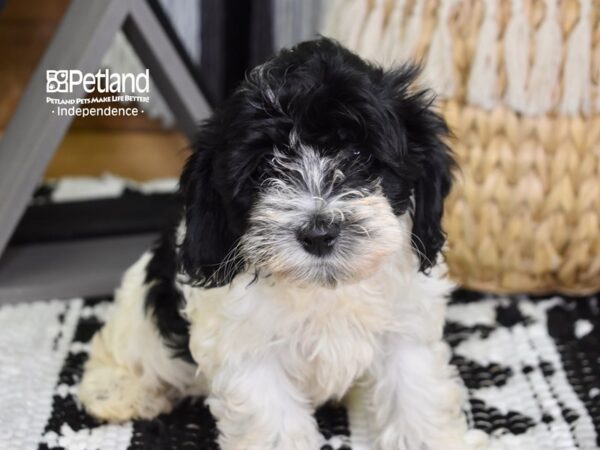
column 238, row 304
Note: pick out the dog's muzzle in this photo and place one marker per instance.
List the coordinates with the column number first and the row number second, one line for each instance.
column 319, row 239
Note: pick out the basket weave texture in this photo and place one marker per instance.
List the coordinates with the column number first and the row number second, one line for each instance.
column 519, row 84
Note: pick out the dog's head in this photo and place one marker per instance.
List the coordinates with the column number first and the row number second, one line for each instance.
column 312, row 171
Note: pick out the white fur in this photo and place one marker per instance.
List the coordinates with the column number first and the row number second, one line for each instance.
column 272, row 352
column 283, row 338
column 308, row 187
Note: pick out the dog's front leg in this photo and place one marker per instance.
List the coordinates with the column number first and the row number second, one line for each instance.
column 416, row 399
column 257, row 407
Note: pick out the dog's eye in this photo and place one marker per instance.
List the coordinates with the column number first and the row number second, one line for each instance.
column 356, row 152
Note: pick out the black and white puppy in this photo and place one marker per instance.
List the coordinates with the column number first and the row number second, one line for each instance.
column 306, row 267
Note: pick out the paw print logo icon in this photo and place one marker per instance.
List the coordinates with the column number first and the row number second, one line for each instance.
column 57, row 81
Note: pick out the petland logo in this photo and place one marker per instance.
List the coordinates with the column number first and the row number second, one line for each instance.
column 105, row 86
column 103, row 81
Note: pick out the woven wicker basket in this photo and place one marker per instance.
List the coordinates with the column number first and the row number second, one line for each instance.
column 519, row 85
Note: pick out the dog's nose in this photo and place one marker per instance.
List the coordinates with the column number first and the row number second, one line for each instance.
column 319, row 240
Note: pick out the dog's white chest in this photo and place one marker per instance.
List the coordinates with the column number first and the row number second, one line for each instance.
column 329, row 338
column 324, row 357
column 323, row 339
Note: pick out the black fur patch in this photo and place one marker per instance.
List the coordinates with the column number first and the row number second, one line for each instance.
column 164, row 300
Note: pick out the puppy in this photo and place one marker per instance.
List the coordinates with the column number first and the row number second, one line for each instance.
column 306, row 267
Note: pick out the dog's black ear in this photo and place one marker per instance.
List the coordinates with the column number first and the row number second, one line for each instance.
column 429, row 193
column 427, row 160
column 208, row 236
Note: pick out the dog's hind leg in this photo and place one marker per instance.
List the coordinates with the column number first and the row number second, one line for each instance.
column 117, row 392
column 131, row 372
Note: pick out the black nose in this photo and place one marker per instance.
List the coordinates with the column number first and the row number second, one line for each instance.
column 319, row 240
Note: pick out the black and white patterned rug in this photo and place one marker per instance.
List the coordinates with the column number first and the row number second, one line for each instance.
column 531, row 366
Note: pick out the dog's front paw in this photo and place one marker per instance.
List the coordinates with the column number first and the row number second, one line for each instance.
column 290, row 437
column 392, row 439
column 300, row 440
column 477, row 440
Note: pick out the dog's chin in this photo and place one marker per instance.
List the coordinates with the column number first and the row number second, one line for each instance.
column 324, row 272
column 317, row 279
